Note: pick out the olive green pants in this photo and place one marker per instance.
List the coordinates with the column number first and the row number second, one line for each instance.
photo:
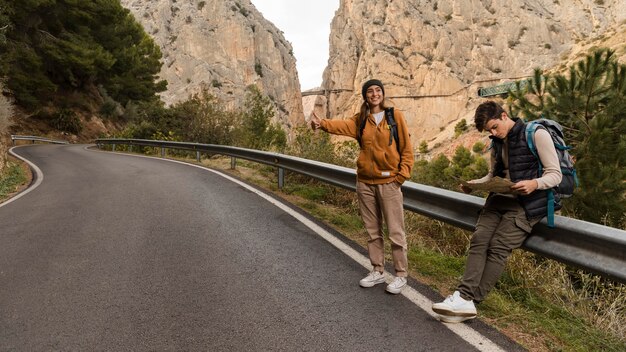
column 378, row 202
column 502, row 227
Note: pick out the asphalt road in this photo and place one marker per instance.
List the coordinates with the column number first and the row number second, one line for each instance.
column 120, row 253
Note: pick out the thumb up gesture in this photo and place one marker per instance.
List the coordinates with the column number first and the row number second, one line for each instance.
column 315, row 121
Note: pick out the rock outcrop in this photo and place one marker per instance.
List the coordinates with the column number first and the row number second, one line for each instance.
column 433, row 56
column 224, row 46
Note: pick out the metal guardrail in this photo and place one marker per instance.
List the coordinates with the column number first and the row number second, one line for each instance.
column 595, row 248
column 34, row 139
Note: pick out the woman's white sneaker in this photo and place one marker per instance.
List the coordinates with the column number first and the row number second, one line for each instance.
column 396, row 285
column 373, row 278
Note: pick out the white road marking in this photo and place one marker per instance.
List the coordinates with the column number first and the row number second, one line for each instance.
column 464, row 331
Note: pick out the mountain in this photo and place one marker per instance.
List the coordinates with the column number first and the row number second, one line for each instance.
column 223, row 46
column 433, row 56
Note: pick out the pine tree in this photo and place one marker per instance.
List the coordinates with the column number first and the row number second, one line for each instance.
column 589, row 102
column 55, row 46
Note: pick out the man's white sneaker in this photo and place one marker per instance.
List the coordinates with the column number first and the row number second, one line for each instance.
column 453, row 319
column 396, row 285
column 455, row 305
column 374, row 278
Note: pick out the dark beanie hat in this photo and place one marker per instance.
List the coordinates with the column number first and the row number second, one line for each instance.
column 372, row 82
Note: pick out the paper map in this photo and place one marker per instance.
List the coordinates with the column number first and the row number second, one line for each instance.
column 496, row 184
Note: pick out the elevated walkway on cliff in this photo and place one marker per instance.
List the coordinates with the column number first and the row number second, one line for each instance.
column 500, row 89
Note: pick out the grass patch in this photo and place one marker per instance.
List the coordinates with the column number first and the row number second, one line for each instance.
column 310, row 192
column 11, row 179
column 431, row 263
column 558, row 328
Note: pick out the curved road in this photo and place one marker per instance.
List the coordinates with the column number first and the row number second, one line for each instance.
column 118, row 252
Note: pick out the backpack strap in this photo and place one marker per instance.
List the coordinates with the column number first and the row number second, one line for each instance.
column 393, row 128
column 531, row 128
column 550, row 208
column 361, row 128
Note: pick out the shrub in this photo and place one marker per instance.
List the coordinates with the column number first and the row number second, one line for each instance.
column 67, row 120
column 460, row 127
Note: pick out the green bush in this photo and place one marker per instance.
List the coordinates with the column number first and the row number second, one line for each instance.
column 460, row 128
column 444, row 173
column 67, row 120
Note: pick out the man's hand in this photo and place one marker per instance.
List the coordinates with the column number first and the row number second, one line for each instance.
column 465, row 189
column 525, row 187
column 315, row 121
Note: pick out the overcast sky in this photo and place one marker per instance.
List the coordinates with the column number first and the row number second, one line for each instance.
column 306, row 25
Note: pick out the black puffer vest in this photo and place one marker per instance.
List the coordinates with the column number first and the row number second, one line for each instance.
column 523, row 165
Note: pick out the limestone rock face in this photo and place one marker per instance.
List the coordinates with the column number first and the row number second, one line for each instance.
column 433, row 56
column 225, row 46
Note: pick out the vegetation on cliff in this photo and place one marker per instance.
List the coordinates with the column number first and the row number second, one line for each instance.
column 56, row 52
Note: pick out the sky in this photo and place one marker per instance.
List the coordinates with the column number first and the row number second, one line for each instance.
column 306, row 25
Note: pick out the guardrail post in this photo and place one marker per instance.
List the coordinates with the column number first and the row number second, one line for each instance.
column 281, row 177
column 113, row 146
column 13, row 141
column 198, row 155
column 130, row 148
column 162, row 152
column 233, row 162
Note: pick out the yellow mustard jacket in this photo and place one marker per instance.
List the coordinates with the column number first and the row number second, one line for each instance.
column 378, row 161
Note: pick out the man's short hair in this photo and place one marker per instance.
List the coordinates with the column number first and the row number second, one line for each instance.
column 486, row 111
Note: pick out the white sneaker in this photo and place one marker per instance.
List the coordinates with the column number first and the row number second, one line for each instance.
column 455, row 305
column 453, row 319
column 396, row 285
column 374, row 278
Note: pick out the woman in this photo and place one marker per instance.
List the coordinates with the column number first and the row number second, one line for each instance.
column 384, row 163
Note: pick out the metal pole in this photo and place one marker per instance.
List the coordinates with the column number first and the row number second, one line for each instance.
column 113, row 146
column 233, row 162
column 281, row 177
column 162, row 152
column 198, row 155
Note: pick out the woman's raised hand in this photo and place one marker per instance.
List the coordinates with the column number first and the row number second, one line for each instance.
column 315, row 121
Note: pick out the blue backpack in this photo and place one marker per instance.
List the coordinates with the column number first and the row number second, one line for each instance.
column 565, row 189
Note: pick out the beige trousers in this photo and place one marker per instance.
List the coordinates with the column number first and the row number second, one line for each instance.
column 378, row 202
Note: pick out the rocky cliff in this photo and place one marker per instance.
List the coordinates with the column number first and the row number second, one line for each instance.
column 434, row 55
column 224, row 46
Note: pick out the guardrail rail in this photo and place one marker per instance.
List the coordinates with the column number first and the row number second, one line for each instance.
column 34, row 139
column 595, row 248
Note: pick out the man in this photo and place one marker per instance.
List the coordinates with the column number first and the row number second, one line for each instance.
column 506, row 218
